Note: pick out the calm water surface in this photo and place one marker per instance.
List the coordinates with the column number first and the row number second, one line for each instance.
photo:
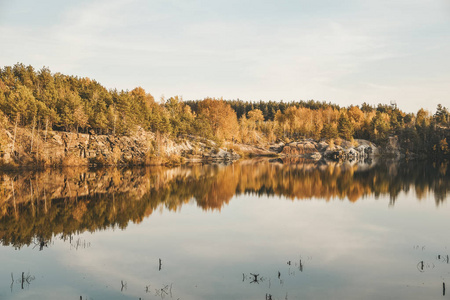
column 252, row 230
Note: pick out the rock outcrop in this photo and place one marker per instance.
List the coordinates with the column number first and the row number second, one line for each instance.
column 76, row 149
column 305, row 147
column 220, row 155
column 23, row 148
column 360, row 149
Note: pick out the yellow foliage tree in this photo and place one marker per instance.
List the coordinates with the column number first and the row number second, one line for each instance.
column 221, row 116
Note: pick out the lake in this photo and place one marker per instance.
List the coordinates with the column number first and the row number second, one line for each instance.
column 255, row 229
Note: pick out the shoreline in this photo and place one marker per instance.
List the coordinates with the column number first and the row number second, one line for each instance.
column 26, row 150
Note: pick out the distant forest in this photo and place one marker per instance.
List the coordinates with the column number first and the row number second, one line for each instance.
column 39, row 99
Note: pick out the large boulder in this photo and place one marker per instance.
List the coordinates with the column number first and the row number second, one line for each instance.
column 348, row 151
column 277, row 148
column 221, row 155
column 300, row 148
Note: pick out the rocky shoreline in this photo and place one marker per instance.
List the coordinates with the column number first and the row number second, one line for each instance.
column 358, row 150
column 146, row 148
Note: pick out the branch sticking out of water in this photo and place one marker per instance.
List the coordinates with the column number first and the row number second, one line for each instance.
column 124, row 285
column 420, row 266
column 255, row 278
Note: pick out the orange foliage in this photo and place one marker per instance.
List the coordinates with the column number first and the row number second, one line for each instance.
column 221, row 117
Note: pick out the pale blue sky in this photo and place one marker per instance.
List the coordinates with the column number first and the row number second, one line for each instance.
column 345, row 52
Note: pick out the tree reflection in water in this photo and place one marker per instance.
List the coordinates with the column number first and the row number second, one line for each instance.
column 36, row 206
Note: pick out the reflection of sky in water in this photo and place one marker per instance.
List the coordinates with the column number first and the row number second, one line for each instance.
column 362, row 250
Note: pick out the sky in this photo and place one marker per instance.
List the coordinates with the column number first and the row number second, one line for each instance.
column 344, row 52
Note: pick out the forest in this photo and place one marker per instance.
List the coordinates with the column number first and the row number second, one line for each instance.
column 42, row 100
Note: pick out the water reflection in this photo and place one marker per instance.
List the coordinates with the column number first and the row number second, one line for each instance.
column 35, row 206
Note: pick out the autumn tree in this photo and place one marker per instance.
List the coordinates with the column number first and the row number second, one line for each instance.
column 255, row 117
column 220, row 116
column 380, row 127
column 356, row 117
column 281, row 124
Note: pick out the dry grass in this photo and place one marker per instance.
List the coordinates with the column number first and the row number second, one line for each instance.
column 73, row 159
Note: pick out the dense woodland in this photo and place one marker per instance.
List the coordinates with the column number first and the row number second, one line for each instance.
column 41, row 100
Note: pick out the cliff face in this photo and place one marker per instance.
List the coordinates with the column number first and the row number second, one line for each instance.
column 65, row 148
column 24, row 148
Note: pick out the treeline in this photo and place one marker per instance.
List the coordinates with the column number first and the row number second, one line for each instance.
column 41, row 100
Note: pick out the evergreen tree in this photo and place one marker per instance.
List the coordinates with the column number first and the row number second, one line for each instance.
column 345, row 127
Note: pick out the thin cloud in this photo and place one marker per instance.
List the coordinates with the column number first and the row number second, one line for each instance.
column 340, row 52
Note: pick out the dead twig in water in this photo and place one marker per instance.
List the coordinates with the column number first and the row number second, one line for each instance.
column 163, row 291
column 255, row 278
column 26, row 279
column 420, row 266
